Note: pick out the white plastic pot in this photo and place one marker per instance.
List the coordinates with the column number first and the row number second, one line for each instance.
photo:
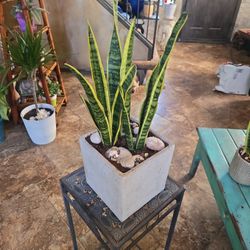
column 43, row 131
column 125, row 193
column 169, row 10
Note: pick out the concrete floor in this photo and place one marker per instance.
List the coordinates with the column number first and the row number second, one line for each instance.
column 31, row 208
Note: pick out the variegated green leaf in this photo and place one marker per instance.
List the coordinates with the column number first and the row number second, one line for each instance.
column 126, row 122
column 114, row 59
column 128, row 51
column 117, row 108
column 98, row 74
column 155, row 85
column 95, row 107
column 247, row 140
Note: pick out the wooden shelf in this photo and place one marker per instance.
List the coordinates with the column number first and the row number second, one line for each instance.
column 49, row 68
column 43, row 72
column 61, row 101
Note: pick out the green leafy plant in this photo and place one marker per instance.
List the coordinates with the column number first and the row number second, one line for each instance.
column 109, row 100
column 53, row 86
column 4, row 85
column 247, row 140
column 28, row 53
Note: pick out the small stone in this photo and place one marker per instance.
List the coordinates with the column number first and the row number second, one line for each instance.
column 123, row 153
column 95, row 138
column 136, row 130
column 146, row 155
column 112, row 153
column 134, row 125
column 154, row 143
column 127, row 162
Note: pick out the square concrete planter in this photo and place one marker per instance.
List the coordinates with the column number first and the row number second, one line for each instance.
column 125, row 193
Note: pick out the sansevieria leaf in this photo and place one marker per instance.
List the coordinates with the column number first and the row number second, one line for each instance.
column 114, row 58
column 247, row 140
column 128, row 51
column 98, row 74
column 155, row 85
column 116, row 108
column 126, row 122
column 95, row 107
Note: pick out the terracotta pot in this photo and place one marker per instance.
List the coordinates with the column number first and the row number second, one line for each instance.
column 240, row 169
column 125, row 193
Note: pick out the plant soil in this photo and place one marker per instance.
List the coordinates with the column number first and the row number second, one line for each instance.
column 122, row 143
column 33, row 113
column 244, row 155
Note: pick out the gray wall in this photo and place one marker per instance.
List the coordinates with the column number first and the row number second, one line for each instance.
column 243, row 18
column 69, row 19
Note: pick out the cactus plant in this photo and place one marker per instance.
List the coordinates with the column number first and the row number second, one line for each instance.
column 109, row 100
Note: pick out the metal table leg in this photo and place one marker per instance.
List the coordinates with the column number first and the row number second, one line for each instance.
column 174, row 220
column 69, row 219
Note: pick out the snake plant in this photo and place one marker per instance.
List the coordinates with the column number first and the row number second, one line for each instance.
column 109, row 100
column 247, row 140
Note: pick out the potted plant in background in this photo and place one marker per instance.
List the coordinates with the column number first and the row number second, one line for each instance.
column 34, row 11
column 54, row 90
column 240, row 165
column 28, row 53
column 4, row 106
column 169, row 9
column 124, row 172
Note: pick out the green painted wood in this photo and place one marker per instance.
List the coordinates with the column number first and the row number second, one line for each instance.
column 221, row 202
column 238, row 136
column 213, row 141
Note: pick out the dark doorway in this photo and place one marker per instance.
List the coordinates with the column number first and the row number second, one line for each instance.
column 210, row 20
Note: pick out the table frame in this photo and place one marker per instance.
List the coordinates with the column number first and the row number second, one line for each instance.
column 173, row 204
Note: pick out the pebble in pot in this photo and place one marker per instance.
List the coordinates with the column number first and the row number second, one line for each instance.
column 113, row 153
column 154, row 143
column 95, row 138
column 127, row 162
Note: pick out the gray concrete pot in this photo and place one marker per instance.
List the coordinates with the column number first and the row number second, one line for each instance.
column 125, row 193
column 239, row 169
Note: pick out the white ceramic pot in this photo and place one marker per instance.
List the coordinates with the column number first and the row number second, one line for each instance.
column 169, row 10
column 240, row 169
column 125, row 193
column 43, row 131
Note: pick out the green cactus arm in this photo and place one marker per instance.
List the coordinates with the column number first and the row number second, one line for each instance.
column 95, row 107
column 126, row 121
column 116, row 107
column 247, row 140
column 128, row 51
column 98, row 75
column 114, row 58
column 155, row 85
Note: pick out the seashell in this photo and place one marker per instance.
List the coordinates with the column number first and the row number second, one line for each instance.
column 112, row 153
column 136, row 130
column 146, row 155
column 95, row 138
column 138, row 158
column 127, row 162
column 154, row 143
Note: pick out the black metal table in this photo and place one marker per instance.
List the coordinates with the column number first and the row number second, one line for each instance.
column 112, row 233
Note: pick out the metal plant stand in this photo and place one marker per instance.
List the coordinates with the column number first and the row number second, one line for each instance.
column 112, row 233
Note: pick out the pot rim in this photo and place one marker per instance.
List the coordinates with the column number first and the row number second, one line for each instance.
column 32, row 106
column 239, row 155
column 137, row 166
